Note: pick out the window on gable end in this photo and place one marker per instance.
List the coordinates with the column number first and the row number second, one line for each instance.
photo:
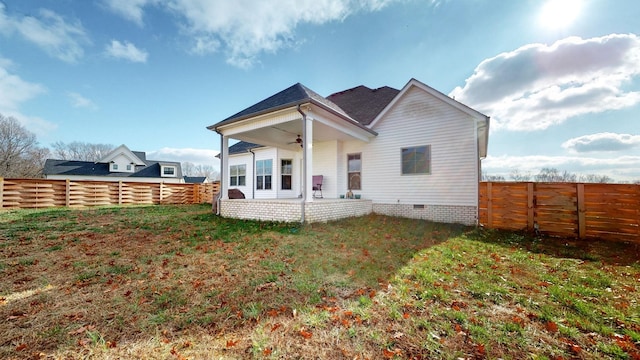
column 416, row 160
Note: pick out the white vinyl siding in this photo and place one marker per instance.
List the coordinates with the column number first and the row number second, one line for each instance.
column 418, row 119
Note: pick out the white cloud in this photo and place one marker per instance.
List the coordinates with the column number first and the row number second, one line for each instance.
column 244, row 30
column 538, row 86
column 49, row 31
column 195, row 156
column 14, row 90
column 79, row 101
column 602, row 142
column 128, row 9
column 621, row 168
column 126, row 51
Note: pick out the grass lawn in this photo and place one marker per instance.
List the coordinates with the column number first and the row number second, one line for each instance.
column 176, row 282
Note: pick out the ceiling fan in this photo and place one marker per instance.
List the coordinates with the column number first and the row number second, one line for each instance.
column 298, row 141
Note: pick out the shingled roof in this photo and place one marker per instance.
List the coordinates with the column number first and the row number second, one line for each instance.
column 362, row 103
column 291, row 96
column 90, row 168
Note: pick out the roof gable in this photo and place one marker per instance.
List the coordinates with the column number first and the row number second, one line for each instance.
column 294, row 95
column 482, row 121
column 123, row 150
column 362, row 103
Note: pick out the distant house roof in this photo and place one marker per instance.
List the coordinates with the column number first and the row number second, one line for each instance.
column 242, row 147
column 150, row 169
column 195, row 179
column 90, row 168
column 362, row 103
column 291, row 96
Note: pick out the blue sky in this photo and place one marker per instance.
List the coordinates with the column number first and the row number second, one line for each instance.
column 560, row 79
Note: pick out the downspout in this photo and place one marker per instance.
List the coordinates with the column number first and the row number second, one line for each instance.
column 253, row 173
column 304, row 164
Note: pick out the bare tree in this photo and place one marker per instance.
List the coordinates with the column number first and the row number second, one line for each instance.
column 20, row 155
column 593, row 178
column 81, row 151
column 191, row 169
column 553, row 175
column 188, row 168
column 492, row 178
column 516, row 175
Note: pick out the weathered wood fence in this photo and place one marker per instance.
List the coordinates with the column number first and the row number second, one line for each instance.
column 42, row 193
column 605, row 211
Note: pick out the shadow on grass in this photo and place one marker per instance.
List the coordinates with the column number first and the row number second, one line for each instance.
column 605, row 251
column 127, row 275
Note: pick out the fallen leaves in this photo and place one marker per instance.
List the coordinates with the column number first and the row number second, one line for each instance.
column 82, row 330
column 305, row 334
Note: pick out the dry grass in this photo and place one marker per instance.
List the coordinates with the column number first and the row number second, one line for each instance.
column 176, row 282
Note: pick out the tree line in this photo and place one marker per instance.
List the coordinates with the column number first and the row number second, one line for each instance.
column 22, row 157
column 550, row 175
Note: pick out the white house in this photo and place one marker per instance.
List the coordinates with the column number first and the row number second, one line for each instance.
column 121, row 164
column 413, row 152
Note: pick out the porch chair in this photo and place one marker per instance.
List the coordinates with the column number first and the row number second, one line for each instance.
column 317, row 185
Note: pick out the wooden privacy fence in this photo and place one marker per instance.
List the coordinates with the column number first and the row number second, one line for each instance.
column 42, row 193
column 605, row 211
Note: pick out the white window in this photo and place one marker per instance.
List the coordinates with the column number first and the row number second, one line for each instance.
column 264, row 170
column 354, row 169
column 286, row 167
column 238, row 175
column 416, row 160
column 129, row 167
column 114, row 166
column 168, row 171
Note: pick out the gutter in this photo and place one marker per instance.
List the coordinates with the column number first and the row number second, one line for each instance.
column 304, row 164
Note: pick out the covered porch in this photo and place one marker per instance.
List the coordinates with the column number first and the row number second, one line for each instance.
column 292, row 121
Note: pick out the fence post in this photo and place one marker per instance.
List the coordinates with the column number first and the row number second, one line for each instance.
column 582, row 226
column 489, row 205
column 530, row 207
column 120, row 192
column 1, row 191
column 67, row 193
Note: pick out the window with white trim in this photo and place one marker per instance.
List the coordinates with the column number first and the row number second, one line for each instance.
column 416, row 160
column 264, row 170
column 168, row 171
column 354, row 170
column 238, row 174
column 286, row 170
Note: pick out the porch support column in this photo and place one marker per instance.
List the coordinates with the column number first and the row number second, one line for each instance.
column 307, row 141
column 224, row 168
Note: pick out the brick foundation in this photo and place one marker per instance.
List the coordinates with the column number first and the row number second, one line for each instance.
column 452, row 214
column 327, row 210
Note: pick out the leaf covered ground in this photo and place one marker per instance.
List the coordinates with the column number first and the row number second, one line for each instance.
column 176, row 282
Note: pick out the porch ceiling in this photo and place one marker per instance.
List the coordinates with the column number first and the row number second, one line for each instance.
column 284, row 135
column 281, row 128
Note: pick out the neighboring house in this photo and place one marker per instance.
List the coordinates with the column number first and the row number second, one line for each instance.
column 196, row 179
column 413, row 152
column 121, row 164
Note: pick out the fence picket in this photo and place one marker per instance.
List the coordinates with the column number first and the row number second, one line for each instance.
column 606, row 211
column 42, row 193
